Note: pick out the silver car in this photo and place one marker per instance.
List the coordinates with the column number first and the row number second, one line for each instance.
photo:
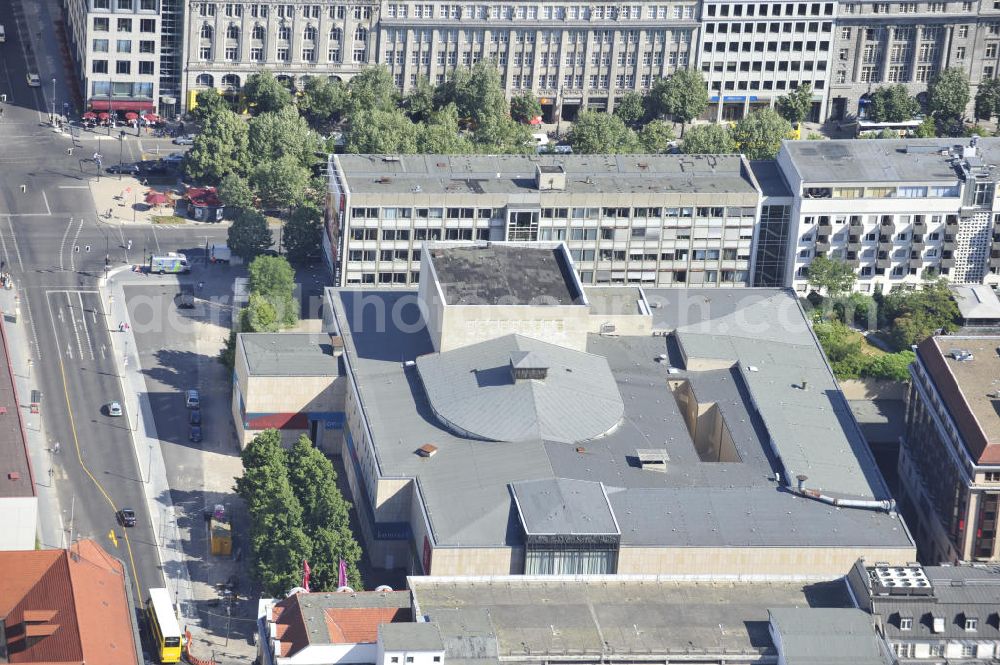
column 114, row 409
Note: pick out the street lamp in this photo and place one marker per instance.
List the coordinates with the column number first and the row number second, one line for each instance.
column 121, row 145
column 53, row 101
column 111, row 112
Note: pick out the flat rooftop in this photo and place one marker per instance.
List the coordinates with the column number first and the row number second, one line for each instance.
column 515, row 174
column 15, row 468
column 465, row 487
column 884, row 160
column 288, row 354
column 616, row 300
column 503, row 274
column 976, row 301
column 970, row 389
column 531, row 618
column 769, row 177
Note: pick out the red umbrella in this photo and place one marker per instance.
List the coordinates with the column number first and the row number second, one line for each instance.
column 89, row 115
column 155, row 198
column 103, row 116
column 131, row 116
column 151, row 118
column 537, row 120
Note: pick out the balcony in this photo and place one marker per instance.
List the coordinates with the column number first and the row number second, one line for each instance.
column 883, row 263
column 919, row 225
column 822, row 246
column 856, row 222
column 951, row 220
column 995, row 262
column 824, row 222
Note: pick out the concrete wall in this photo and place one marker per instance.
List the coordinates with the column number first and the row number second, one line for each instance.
column 467, row 561
column 624, row 324
column 20, row 523
column 467, row 324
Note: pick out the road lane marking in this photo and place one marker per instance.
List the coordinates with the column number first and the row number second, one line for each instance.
column 83, row 320
column 74, row 186
column 17, row 249
column 62, row 245
column 45, row 198
column 72, row 251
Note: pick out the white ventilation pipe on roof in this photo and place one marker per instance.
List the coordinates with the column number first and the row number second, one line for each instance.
column 888, row 505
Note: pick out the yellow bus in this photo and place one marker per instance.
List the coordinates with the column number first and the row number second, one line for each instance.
column 164, row 631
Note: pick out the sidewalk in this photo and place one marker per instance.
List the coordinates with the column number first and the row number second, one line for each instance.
column 44, row 461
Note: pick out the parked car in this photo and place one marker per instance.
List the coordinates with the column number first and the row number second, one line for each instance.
column 192, row 399
column 114, row 409
column 195, row 435
column 195, row 418
column 184, row 300
column 156, row 167
column 173, row 158
column 126, row 517
column 187, row 139
column 126, row 169
column 33, row 80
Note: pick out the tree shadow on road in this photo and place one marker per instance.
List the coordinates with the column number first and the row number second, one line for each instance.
column 177, row 369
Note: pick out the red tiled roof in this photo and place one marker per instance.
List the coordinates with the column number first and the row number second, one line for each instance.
column 76, row 606
column 358, row 625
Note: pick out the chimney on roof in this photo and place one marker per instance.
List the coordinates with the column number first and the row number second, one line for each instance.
column 550, row 177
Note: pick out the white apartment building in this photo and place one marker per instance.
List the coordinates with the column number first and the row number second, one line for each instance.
column 896, row 211
column 116, row 45
column 637, row 219
column 752, row 53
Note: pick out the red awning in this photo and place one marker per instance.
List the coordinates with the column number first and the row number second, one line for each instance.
column 120, row 105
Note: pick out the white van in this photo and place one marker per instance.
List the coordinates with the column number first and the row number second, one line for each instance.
column 3, row 34
column 540, row 139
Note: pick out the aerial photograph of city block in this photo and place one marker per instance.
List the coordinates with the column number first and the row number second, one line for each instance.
column 426, row 332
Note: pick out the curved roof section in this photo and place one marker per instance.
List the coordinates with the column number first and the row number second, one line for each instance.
column 472, row 391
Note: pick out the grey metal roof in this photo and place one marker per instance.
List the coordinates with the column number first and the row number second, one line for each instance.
column 826, row 636
column 471, row 388
column 976, row 301
column 882, row 421
column 503, row 274
column 431, row 179
column 890, row 161
column 288, row 354
column 769, row 177
column 651, row 619
column 562, row 506
column 465, row 486
column 419, row 636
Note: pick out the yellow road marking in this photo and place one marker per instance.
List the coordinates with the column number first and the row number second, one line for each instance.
column 79, row 456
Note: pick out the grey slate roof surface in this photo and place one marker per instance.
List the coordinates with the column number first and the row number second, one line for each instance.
column 826, row 636
column 465, row 486
column 431, row 176
column 288, row 354
column 420, row 636
column 563, row 506
column 472, row 388
column 769, row 177
column 976, row 301
column 652, row 618
column 847, row 161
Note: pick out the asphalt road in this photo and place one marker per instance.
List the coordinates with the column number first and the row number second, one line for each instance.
column 46, row 214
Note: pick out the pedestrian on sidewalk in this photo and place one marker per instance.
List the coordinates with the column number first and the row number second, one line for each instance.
column 55, row 448
column 129, row 245
column 121, row 327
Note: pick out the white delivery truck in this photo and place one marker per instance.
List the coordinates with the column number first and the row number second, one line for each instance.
column 173, row 262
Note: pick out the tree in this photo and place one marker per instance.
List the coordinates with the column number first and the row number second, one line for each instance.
column 259, row 316
column 892, row 103
column 832, row 275
column 656, row 136
column 759, row 134
column 927, row 129
column 440, row 134
column 948, row 93
column 249, row 235
column 208, row 102
column 326, row 515
column 891, row 366
column 796, row 105
column 502, row 135
column 631, row 108
column 913, row 316
column 525, row 107
column 219, row 149
column 683, row 96
column 303, row 232
column 272, row 278
column 235, row 192
column 481, row 96
column 419, row 103
column 322, row 100
column 887, row 133
column 380, row 132
column 283, row 132
column 266, row 94
column 599, row 132
column 371, row 90
column 280, row 183
column 709, row 140
column 988, row 99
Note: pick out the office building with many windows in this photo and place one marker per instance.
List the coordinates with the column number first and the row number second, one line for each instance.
column 638, row 219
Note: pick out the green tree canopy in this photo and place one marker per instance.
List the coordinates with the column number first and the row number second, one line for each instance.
column 832, row 275
column 656, row 136
column 502, row 135
column 631, row 108
column 259, row 316
column 220, row 148
column 208, row 102
column 371, row 90
column 481, row 96
column 913, row 316
column 272, row 278
column 235, row 192
column 711, row 139
column 988, row 99
column 283, row 132
column 683, row 96
column 524, row 107
column 419, row 102
column 797, row 104
column 249, row 234
column 892, row 103
column 303, row 234
column 381, row 132
column 323, row 100
column 599, row 132
column 266, row 94
column 948, row 93
column 440, row 135
column 759, row 134
column 927, row 129
column 281, row 183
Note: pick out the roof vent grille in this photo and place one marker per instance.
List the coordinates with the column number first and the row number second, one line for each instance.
column 961, row 355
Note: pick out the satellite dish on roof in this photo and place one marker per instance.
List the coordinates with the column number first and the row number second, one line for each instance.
column 295, row 590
